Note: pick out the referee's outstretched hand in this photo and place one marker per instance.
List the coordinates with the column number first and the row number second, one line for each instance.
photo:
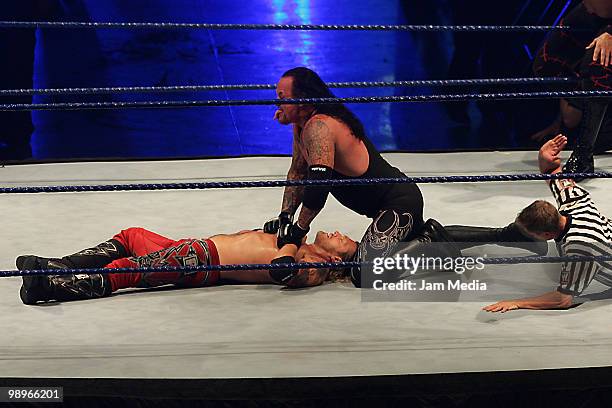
column 548, row 158
column 503, row 306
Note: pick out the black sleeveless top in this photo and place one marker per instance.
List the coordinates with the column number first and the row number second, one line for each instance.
column 370, row 199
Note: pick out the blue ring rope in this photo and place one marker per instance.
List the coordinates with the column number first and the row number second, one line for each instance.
column 293, row 266
column 237, row 87
column 305, row 182
column 307, row 27
column 296, row 101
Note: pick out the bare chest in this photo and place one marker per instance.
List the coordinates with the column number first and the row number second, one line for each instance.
column 250, row 247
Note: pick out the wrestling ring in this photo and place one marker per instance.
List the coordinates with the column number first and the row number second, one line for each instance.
column 262, row 343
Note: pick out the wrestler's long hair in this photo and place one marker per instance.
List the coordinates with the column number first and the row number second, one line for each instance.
column 341, row 274
column 307, row 84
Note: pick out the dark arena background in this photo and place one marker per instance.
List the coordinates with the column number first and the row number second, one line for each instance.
column 255, row 345
column 151, row 57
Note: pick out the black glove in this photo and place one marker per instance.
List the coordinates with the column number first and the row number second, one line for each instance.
column 272, row 226
column 283, row 276
column 290, row 234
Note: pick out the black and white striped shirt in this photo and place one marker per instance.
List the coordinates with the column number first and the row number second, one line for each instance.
column 587, row 232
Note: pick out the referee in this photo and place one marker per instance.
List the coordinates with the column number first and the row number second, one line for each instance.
column 577, row 226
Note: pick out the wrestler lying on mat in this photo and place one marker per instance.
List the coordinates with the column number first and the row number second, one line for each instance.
column 138, row 247
column 577, row 226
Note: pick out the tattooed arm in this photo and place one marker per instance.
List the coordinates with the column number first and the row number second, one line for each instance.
column 292, row 198
column 320, row 147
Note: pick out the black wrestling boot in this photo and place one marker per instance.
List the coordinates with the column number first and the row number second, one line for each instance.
column 509, row 236
column 431, row 241
column 433, row 232
column 43, row 288
column 79, row 287
column 36, row 288
column 96, row 257
column 39, row 287
column 581, row 160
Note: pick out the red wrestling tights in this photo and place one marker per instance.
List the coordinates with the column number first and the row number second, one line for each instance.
column 148, row 249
